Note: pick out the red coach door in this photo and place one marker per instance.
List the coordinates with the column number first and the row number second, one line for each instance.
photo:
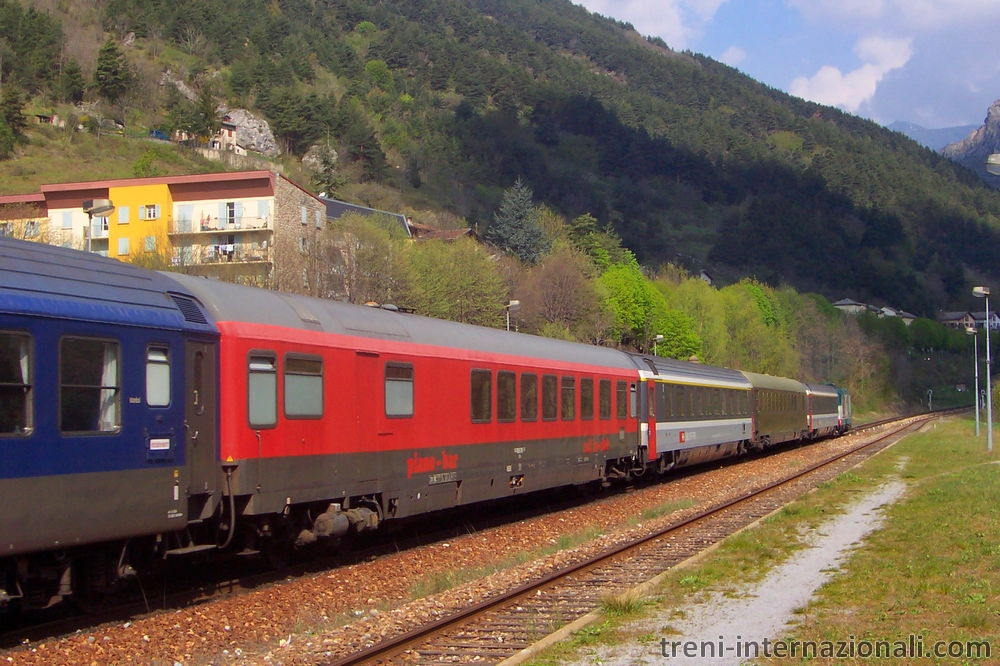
column 651, row 422
column 369, row 398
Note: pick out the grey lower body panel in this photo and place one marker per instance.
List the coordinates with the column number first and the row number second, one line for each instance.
column 427, row 479
column 57, row 512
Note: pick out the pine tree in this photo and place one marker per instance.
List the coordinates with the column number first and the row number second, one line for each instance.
column 10, row 110
column 515, row 227
column 71, row 83
column 113, row 76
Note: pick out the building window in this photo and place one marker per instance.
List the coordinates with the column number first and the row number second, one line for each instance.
column 262, row 391
column 67, row 220
column 604, row 399
column 263, row 209
column 303, row 387
column 31, row 229
column 305, row 215
column 304, row 245
column 529, row 397
column 150, row 243
column 123, row 215
column 568, row 401
column 123, row 247
column 157, row 377
column 506, row 396
column 398, row 390
column 15, row 384
column 231, row 214
column 482, row 398
column 550, row 397
column 305, row 278
column 149, row 212
column 89, row 385
column 319, row 219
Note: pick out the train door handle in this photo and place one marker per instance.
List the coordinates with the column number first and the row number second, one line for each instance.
column 194, row 437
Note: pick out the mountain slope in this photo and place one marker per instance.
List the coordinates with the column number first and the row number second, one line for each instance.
column 935, row 139
column 688, row 159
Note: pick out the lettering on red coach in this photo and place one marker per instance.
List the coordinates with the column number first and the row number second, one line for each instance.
column 417, row 464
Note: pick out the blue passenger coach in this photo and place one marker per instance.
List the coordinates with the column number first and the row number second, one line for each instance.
column 95, row 446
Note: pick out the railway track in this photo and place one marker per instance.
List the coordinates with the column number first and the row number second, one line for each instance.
column 500, row 627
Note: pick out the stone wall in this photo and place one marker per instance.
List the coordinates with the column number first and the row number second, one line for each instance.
column 298, row 247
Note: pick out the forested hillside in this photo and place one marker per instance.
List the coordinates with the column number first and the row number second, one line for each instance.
column 452, row 100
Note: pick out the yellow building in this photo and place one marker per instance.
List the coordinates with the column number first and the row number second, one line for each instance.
column 142, row 217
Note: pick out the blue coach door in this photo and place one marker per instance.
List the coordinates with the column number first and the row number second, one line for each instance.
column 200, row 429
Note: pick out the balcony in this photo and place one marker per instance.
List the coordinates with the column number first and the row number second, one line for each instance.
column 222, row 254
column 213, row 225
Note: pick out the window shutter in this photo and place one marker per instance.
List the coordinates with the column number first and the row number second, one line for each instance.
column 123, row 246
column 319, row 219
column 123, row 215
column 142, row 212
column 222, row 214
column 305, row 214
column 156, row 213
column 239, row 211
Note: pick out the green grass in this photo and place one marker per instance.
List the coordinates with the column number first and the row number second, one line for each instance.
column 933, row 569
column 53, row 155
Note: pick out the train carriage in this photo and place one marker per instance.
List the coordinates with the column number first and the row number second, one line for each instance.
column 93, row 441
column 693, row 413
column 781, row 410
column 824, row 410
column 399, row 414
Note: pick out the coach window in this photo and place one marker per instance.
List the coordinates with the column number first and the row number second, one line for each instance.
column 303, row 387
column 621, row 400
column 158, row 377
column 633, row 400
column 15, row 384
column 506, row 396
column 568, row 399
column 399, row 390
column 90, row 385
column 586, row 398
column 482, row 396
column 604, row 399
column 262, row 391
column 529, row 397
column 716, row 402
column 550, row 397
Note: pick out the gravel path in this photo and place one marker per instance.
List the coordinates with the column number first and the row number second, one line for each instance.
column 728, row 628
column 301, row 620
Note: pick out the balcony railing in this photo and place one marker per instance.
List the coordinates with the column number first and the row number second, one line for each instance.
column 214, row 225
column 221, row 254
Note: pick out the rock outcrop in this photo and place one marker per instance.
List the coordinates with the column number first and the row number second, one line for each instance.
column 252, row 131
column 973, row 150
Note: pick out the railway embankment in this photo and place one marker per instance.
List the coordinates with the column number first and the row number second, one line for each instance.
column 898, row 557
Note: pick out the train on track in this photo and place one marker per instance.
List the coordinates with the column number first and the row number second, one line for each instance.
column 150, row 415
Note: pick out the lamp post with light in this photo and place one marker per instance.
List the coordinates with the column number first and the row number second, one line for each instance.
column 658, row 338
column 984, row 292
column 971, row 330
column 512, row 306
column 98, row 207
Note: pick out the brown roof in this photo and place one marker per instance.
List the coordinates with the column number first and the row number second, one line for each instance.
column 446, row 235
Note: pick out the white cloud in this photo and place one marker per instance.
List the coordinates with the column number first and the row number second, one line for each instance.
column 678, row 22
column 905, row 15
column 849, row 91
column 733, row 56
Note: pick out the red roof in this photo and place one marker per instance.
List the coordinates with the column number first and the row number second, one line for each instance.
column 226, row 176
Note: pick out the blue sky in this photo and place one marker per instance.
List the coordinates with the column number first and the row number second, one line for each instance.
column 932, row 62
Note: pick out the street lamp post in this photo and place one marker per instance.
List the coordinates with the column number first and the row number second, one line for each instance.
column 971, row 330
column 984, row 292
column 98, row 207
column 512, row 306
column 658, row 338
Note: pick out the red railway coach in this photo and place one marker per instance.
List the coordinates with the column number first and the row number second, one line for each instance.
column 332, row 415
